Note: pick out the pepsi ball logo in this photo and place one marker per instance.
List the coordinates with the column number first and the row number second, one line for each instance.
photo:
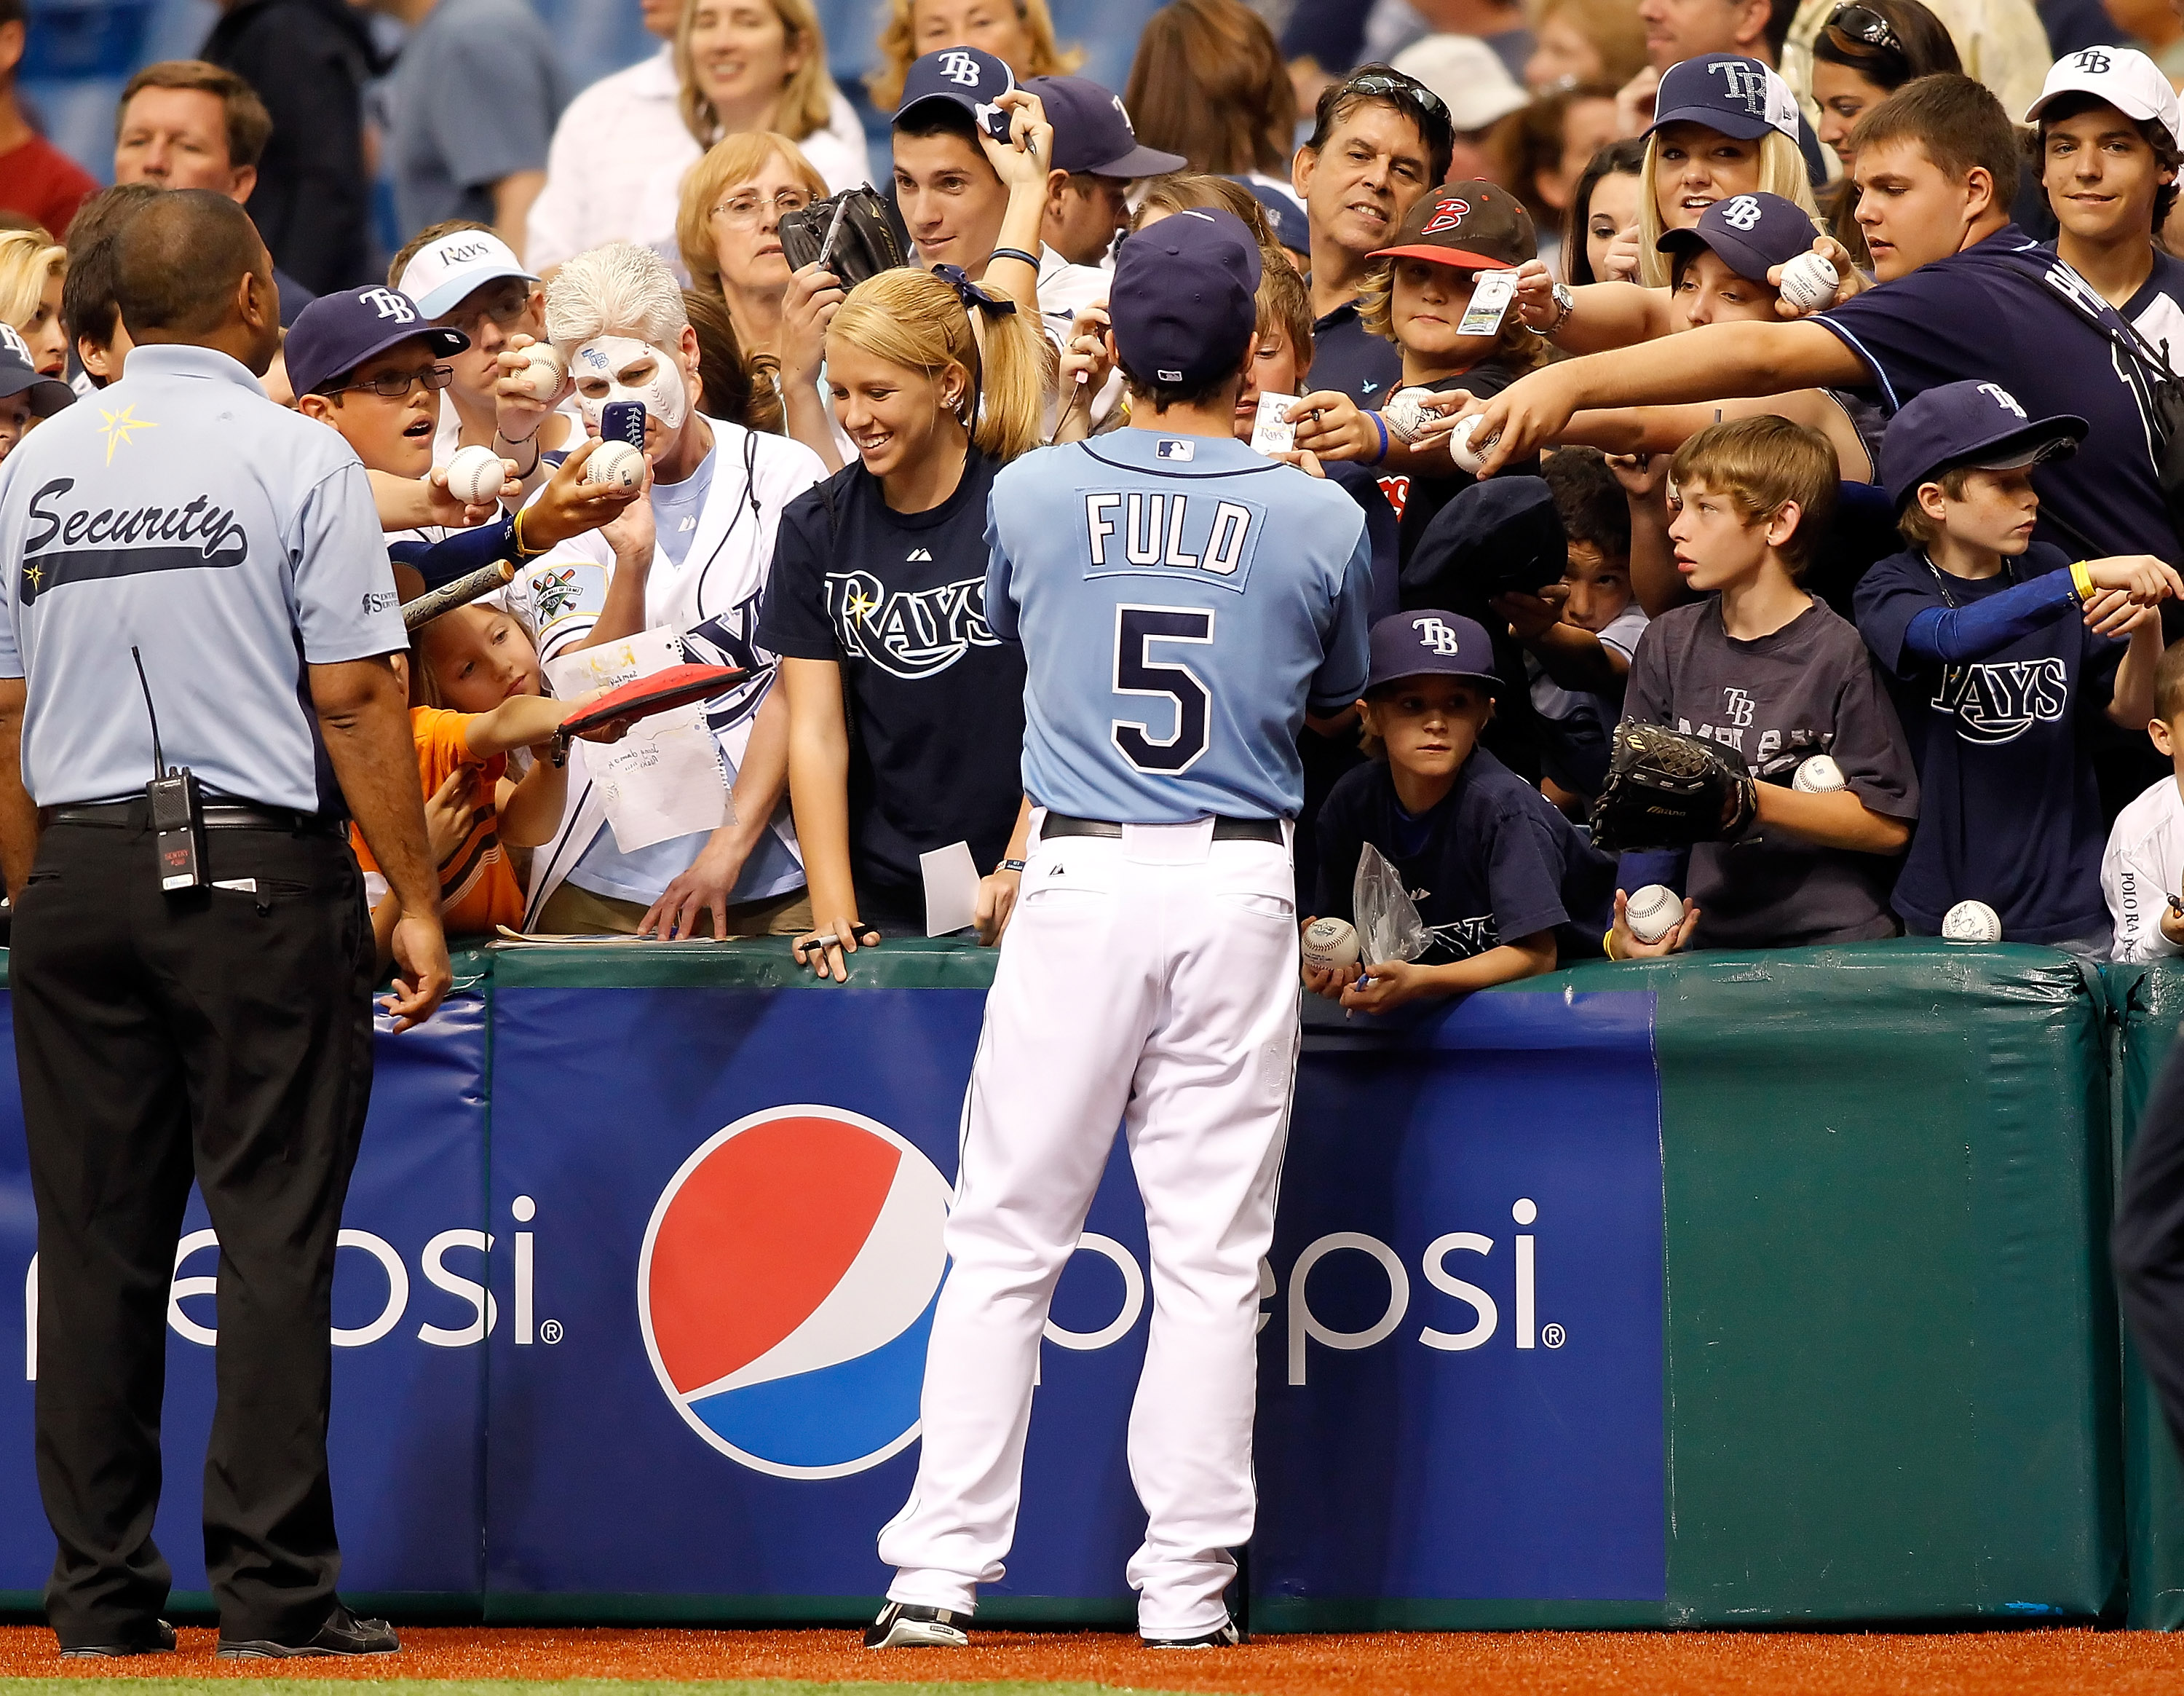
column 786, row 1288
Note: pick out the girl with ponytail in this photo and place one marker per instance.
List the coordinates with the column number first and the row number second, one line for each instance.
column 905, row 712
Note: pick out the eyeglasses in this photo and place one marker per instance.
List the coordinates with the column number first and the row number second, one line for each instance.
column 1394, row 86
column 1863, row 24
column 744, row 210
column 396, row 385
column 506, row 311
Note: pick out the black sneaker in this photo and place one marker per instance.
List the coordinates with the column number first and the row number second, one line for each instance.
column 1228, row 1636
column 161, row 1642
column 903, row 1625
column 344, row 1633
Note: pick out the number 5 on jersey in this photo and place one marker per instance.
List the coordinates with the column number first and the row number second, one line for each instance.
column 1137, row 672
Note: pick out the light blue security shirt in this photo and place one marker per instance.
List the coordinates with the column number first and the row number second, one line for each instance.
column 232, row 541
column 1179, row 600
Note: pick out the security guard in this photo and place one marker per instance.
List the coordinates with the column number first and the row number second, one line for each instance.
column 192, row 965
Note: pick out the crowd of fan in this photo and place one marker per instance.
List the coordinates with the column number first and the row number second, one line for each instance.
column 1905, row 548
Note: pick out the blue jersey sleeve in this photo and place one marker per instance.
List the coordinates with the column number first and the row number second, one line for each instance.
column 1340, row 678
column 1001, row 583
column 440, row 563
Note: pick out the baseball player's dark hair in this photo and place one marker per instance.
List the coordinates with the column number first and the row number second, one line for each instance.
column 1959, row 124
column 940, row 118
column 249, row 125
column 1383, row 85
column 1592, row 503
column 1762, row 465
column 2169, row 685
column 424, row 238
column 1160, row 396
column 178, row 258
column 87, row 308
column 2167, row 155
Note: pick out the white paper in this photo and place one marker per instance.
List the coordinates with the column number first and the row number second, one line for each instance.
column 951, row 889
column 664, row 778
column 1272, row 432
column 1490, row 303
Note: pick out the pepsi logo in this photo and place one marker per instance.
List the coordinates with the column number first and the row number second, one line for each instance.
column 786, row 1287
column 1446, row 216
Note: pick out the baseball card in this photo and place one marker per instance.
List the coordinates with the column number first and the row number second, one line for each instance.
column 1490, row 303
column 1272, row 432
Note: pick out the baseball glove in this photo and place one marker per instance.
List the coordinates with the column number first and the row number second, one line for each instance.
column 1666, row 790
column 867, row 237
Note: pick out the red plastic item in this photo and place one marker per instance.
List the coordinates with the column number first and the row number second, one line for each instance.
column 642, row 697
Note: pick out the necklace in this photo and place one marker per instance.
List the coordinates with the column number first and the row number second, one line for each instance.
column 1941, row 581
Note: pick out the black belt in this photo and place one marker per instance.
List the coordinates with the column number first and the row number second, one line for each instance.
column 1224, row 829
column 219, row 815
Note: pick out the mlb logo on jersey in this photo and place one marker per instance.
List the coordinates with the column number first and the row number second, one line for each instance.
column 1161, row 530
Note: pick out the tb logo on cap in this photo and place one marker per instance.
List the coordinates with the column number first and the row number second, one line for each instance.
column 389, row 305
column 960, row 68
column 1744, row 84
column 1436, row 635
column 1742, row 213
column 1446, row 216
column 2092, row 61
column 15, row 344
column 2002, row 397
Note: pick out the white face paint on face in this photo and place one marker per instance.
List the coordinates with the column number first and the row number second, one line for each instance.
column 612, row 368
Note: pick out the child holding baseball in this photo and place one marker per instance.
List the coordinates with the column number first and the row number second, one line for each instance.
column 2143, row 868
column 1760, row 665
column 1417, row 295
column 2005, row 660
column 1506, row 886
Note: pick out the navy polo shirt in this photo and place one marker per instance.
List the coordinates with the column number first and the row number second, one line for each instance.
column 1347, row 357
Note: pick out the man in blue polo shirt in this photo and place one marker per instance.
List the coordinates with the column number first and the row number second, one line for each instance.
column 198, row 585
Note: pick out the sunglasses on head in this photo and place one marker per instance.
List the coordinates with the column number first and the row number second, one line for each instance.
column 1863, row 24
column 1394, row 86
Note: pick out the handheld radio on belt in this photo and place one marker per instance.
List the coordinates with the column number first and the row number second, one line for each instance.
column 177, row 809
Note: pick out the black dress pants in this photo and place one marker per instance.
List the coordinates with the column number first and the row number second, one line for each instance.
column 223, row 1035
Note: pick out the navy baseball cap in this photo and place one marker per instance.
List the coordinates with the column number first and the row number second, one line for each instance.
column 1429, row 642
column 1184, row 301
column 1292, row 228
column 338, row 332
column 964, row 77
column 1092, row 131
column 1504, row 533
column 1751, row 233
column 1737, row 96
column 1978, row 424
column 19, row 375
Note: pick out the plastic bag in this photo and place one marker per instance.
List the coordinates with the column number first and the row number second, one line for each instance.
column 1388, row 927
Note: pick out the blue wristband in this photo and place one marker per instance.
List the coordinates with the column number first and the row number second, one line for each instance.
column 1380, row 425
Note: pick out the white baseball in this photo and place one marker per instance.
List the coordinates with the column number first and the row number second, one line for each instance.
column 1809, row 283
column 1971, row 920
column 476, row 476
column 1330, row 944
column 1459, row 444
column 616, row 464
column 1819, row 775
column 1406, row 413
column 542, row 379
column 1654, row 911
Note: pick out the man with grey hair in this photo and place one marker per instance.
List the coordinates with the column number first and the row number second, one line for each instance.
column 693, row 557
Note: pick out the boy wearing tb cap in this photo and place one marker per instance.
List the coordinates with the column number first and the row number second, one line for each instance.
column 2003, row 657
column 24, row 395
column 1182, row 603
column 1506, row 886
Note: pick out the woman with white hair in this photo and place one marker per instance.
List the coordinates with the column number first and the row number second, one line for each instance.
column 693, row 557
column 31, row 269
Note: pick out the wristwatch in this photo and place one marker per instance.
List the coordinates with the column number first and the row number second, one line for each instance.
column 1565, row 303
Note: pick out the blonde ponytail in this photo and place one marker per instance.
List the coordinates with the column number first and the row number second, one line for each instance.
column 914, row 319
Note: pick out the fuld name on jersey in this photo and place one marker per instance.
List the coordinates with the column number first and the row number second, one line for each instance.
column 1148, row 528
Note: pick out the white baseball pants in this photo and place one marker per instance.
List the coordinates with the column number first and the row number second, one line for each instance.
column 1151, row 981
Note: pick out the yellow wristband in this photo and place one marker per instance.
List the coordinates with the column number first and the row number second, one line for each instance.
column 1607, row 942
column 2081, row 580
column 515, row 531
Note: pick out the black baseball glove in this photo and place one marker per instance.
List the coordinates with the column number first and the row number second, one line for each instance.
column 1666, row 790
column 868, row 239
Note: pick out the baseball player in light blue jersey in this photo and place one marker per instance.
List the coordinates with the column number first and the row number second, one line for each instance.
column 1182, row 603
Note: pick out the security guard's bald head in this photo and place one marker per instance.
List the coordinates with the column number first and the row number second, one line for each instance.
column 190, row 267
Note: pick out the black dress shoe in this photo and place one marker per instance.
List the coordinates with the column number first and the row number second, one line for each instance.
column 160, row 1642
column 344, row 1633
